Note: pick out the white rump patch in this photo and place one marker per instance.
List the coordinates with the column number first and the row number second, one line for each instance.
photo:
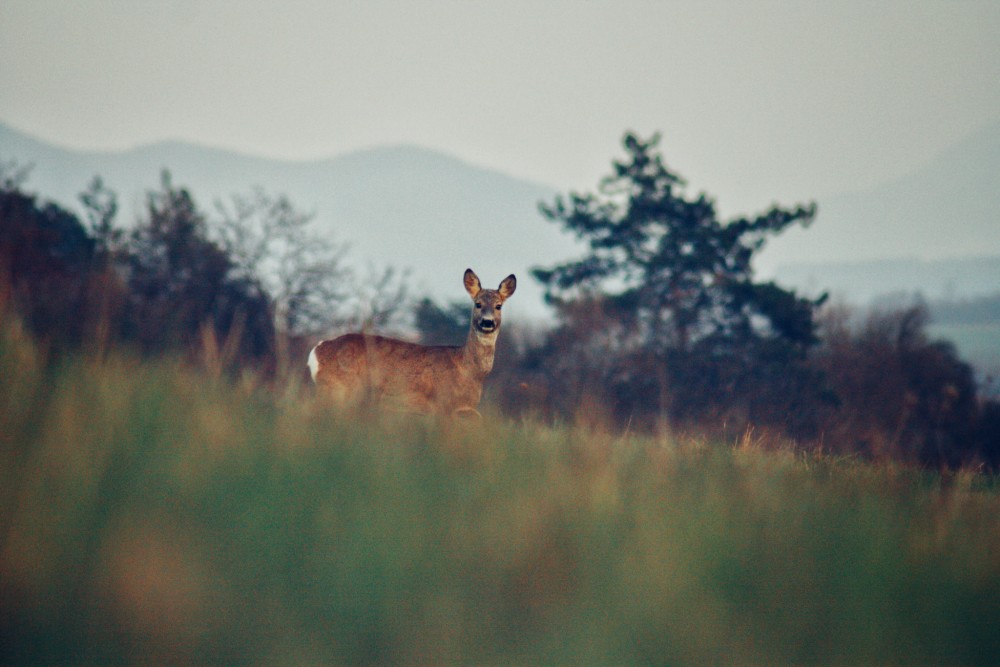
column 313, row 364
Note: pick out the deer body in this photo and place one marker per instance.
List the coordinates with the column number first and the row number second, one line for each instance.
column 416, row 378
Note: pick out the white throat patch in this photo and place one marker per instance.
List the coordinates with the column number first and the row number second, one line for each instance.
column 487, row 338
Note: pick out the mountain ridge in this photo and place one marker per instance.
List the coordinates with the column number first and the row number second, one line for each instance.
column 946, row 208
column 397, row 205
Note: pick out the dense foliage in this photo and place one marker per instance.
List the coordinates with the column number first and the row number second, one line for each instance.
column 662, row 324
column 254, row 284
column 666, row 298
column 164, row 285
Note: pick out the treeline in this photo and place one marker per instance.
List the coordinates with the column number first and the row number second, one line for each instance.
column 660, row 325
column 246, row 286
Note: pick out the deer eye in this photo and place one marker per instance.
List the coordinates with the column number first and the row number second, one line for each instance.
column 498, row 306
column 478, row 305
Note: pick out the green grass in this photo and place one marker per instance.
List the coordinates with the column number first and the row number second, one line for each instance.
column 150, row 514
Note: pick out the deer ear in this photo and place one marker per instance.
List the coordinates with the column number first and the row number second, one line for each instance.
column 472, row 284
column 507, row 286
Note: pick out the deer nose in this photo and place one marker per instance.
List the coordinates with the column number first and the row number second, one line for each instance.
column 487, row 324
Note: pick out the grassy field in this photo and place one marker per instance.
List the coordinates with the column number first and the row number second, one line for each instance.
column 150, row 514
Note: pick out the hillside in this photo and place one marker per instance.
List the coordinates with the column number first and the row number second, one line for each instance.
column 866, row 280
column 947, row 209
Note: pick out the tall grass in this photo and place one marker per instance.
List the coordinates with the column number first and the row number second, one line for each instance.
column 151, row 513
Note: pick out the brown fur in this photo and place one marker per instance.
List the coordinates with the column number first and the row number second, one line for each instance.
column 416, row 378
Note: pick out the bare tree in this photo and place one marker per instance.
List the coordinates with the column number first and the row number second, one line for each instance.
column 379, row 302
column 13, row 176
column 301, row 270
column 101, row 208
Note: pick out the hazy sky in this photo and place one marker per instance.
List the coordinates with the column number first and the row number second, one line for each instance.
column 757, row 101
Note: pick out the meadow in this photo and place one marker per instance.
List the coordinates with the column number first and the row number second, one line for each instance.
column 156, row 512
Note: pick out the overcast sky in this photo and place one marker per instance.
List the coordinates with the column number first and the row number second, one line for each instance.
column 757, row 101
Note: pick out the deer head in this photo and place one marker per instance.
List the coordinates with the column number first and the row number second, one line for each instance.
column 487, row 303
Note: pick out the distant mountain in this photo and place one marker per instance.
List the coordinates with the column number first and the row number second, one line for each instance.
column 412, row 207
column 866, row 280
column 948, row 209
column 402, row 206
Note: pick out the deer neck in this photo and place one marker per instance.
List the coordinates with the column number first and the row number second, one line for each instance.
column 479, row 349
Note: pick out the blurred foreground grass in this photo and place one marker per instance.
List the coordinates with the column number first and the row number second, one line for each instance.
column 151, row 514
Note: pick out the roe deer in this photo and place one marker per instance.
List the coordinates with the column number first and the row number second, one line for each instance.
column 443, row 380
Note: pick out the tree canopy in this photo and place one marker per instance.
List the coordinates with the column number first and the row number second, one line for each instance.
column 676, row 284
column 667, row 260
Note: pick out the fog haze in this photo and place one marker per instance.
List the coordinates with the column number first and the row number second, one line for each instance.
column 757, row 101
